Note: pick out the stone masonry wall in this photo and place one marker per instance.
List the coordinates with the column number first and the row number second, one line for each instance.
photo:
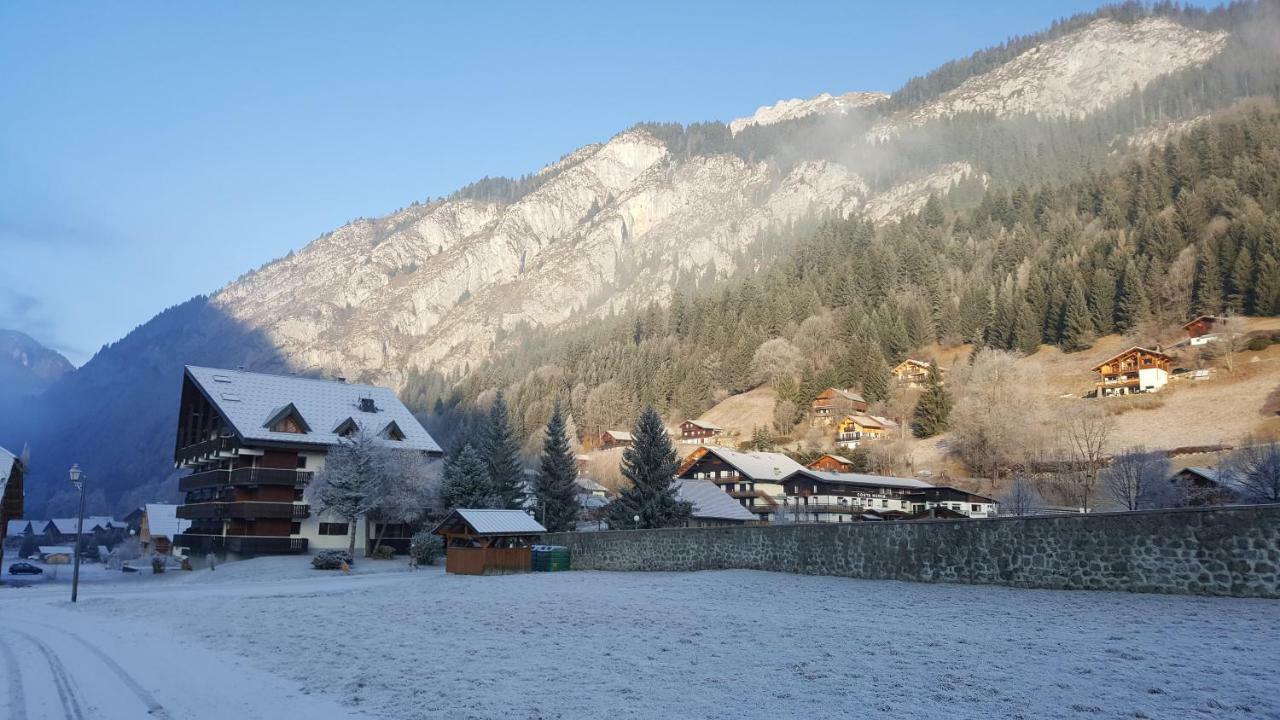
column 1213, row 551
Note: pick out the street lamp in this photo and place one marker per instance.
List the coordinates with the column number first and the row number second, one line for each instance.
column 637, row 519
column 77, row 479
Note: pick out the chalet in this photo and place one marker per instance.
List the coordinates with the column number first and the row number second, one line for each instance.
column 822, row 497
column 12, row 473
column 698, row 432
column 160, row 526
column 133, row 521
column 965, row 504
column 832, row 404
column 854, row 429
column 712, row 507
column 751, row 478
column 61, row 531
column 832, row 463
column 253, row 442
column 612, row 439
column 488, row 542
column 912, row 373
column 587, row 486
column 1205, row 486
column 56, row 554
column 1201, row 326
column 1135, row 370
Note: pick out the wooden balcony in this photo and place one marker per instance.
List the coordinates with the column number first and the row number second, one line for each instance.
column 255, row 544
column 249, row 510
column 205, row 449
column 246, row 477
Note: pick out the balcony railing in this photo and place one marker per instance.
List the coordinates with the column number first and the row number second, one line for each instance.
column 266, row 544
column 244, row 476
column 206, row 448
column 244, row 509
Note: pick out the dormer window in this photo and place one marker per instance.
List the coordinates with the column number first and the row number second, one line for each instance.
column 287, row 420
column 392, row 432
column 347, row 428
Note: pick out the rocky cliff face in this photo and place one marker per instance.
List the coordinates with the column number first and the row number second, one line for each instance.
column 434, row 286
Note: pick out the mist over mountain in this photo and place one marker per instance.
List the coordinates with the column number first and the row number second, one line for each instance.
column 424, row 298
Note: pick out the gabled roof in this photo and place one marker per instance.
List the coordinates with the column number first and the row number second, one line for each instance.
column 589, row 485
column 619, row 435
column 1136, row 348
column 8, row 461
column 759, row 466
column 391, row 431
column 1198, row 318
column 67, row 526
column 492, row 522
column 864, row 420
column 704, row 424
column 838, row 458
column 924, row 364
column 18, row 527
column 245, row 400
column 846, row 394
column 860, row 479
column 285, row 412
column 163, row 521
column 711, row 502
column 1204, row 473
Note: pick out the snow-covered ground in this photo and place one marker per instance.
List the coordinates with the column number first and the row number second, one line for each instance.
column 273, row 638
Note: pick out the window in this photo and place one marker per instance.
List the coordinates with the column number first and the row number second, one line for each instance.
column 295, row 528
column 975, row 508
column 302, row 462
column 332, row 528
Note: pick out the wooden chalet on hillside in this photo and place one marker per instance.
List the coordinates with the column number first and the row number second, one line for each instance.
column 488, row 542
column 609, row 439
column 911, row 372
column 698, row 432
column 253, row 442
column 752, row 478
column 1200, row 326
column 832, row 404
column 832, row 463
column 160, row 527
column 12, row 475
column 1136, row 370
column 854, row 429
column 1205, row 486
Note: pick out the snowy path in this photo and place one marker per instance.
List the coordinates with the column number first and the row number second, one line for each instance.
column 270, row 639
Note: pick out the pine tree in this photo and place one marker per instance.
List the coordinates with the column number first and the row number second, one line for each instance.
column 1207, row 292
column 1026, row 331
column 649, row 463
column 1266, row 293
column 1077, row 324
column 875, row 376
column 1132, row 304
column 1102, row 301
column 556, row 488
column 934, row 406
column 1242, row 280
column 502, row 454
column 760, row 438
column 466, row 482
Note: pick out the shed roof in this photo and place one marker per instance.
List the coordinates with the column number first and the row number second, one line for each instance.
column 711, row 502
column 759, row 466
column 860, row 479
column 249, row 401
column 163, row 521
column 493, row 522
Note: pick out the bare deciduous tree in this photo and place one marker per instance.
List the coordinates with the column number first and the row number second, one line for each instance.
column 1087, row 431
column 1254, row 469
column 1022, row 497
column 775, row 361
column 1138, row 479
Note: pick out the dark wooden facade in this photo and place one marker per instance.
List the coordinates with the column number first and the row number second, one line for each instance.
column 1202, row 325
column 832, row 463
column 610, row 439
column 833, row 403
column 11, row 501
column 469, row 551
column 706, row 465
column 698, row 431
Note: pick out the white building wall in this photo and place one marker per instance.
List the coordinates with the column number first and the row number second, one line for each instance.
column 1152, row 378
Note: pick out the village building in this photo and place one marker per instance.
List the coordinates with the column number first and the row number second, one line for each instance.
column 832, row 463
column 833, row 497
column 12, row 474
column 1200, row 326
column 1136, row 370
column 133, row 521
column 712, row 507
column 56, row 554
column 62, row 531
column 488, row 542
column 587, row 486
column 963, row 503
column 752, row 478
column 832, row 404
column 699, row 432
column 854, row 429
column 254, row 441
column 912, row 373
column 610, row 439
column 160, row 526
column 1204, row 486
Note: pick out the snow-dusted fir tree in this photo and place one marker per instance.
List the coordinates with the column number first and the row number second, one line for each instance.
column 650, row 464
column 350, row 482
column 466, row 481
column 407, row 493
column 556, row 489
column 502, row 454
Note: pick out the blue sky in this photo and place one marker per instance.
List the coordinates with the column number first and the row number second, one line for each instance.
column 150, row 152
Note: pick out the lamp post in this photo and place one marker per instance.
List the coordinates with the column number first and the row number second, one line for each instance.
column 77, row 479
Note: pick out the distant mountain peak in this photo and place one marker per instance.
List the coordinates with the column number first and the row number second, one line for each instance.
column 796, row 108
column 26, row 366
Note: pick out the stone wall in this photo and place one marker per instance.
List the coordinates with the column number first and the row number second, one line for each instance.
column 1214, row 551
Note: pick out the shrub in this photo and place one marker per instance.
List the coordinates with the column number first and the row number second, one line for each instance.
column 157, row 564
column 384, row 552
column 1258, row 343
column 425, row 547
column 330, row 559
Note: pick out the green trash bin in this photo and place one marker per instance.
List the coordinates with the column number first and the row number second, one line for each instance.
column 550, row 558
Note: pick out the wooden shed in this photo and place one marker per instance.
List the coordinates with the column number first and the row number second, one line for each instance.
column 488, row 542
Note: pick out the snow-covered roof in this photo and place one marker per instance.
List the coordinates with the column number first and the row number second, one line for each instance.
column 705, row 425
column 759, row 466
column 862, row 479
column 16, row 527
column 7, row 462
column 67, row 526
column 710, row 502
column 248, row 401
column 106, row 522
column 619, row 435
column 1207, row 473
column 163, row 521
column 56, row 549
column 496, row 522
column 589, row 485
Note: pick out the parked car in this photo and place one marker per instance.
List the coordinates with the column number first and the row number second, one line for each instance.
column 23, row 568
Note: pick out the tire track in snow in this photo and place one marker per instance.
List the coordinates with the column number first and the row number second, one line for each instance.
column 61, row 678
column 17, row 701
column 154, row 708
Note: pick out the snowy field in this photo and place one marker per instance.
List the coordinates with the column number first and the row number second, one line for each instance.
column 271, row 638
